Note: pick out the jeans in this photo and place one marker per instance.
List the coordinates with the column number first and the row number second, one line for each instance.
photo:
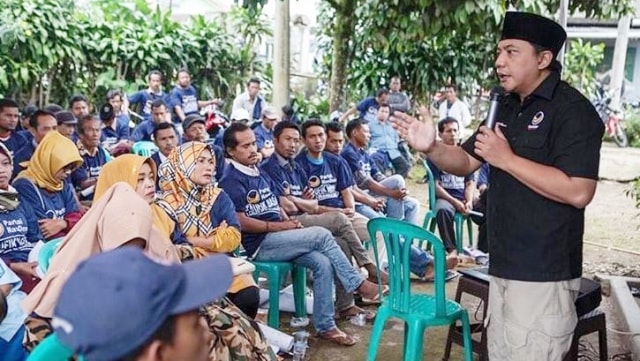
column 340, row 227
column 405, row 209
column 315, row 249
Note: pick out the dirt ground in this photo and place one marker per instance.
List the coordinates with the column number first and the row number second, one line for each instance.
column 612, row 246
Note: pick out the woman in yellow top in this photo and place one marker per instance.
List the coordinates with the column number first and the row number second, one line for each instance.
column 205, row 213
column 236, row 337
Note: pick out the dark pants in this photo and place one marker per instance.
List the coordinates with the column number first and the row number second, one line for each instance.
column 247, row 300
column 480, row 205
column 445, row 213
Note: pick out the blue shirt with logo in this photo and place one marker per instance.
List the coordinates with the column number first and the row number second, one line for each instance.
column 90, row 168
column 186, row 98
column 360, row 163
column 453, row 184
column 143, row 99
column 264, row 137
column 253, row 196
column 112, row 136
column 289, row 179
column 19, row 231
column 327, row 179
column 47, row 205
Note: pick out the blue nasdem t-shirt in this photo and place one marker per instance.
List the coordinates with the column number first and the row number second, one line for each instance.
column 19, row 231
column 264, row 137
column 22, row 155
column 186, row 98
column 290, row 179
column 143, row 99
column 368, row 109
column 253, row 196
column 47, row 205
column 327, row 177
column 90, row 168
column 453, row 184
column 360, row 163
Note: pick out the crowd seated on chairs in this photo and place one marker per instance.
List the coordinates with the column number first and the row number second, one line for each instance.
column 181, row 201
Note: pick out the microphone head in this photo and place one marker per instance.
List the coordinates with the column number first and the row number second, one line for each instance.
column 496, row 92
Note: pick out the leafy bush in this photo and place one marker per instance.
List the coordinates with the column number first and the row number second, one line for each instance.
column 632, row 128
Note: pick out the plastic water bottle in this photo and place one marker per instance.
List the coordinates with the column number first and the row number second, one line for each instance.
column 300, row 340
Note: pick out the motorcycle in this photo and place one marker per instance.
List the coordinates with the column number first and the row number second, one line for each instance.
column 611, row 118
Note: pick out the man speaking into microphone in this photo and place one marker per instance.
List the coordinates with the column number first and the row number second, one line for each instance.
column 544, row 154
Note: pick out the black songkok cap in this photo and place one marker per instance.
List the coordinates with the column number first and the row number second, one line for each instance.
column 535, row 29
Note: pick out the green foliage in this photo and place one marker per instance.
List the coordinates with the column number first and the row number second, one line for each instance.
column 49, row 50
column 634, row 191
column 427, row 42
column 580, row 64
column 632, row 128
column 314, row 107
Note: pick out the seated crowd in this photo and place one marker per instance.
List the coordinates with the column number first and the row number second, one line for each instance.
column 280, row 190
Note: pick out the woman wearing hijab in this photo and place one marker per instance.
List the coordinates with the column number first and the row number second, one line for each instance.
column 140, row 173
column 117, row 219
column 235, row 335
column 43, row 185
column 18, row 227
column 205, row 213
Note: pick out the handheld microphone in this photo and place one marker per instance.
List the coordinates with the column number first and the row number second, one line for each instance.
column 494, row 103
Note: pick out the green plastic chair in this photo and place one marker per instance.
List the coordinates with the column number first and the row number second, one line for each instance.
column 51, row 349
column 46, row 252
column 418, row 311
column 429, row 221
column 144, row 148
column 276, row 273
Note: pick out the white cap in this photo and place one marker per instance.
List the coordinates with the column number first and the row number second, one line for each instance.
column 240, row 114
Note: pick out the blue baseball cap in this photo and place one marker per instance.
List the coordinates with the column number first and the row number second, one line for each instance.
column 115, row 301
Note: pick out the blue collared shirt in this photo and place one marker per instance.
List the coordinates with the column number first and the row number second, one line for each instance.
column 384, row 138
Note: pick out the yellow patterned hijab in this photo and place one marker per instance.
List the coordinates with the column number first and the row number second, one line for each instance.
column 54, row 152
column 189, row 204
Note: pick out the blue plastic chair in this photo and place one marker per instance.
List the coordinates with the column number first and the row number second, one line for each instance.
column 46, row 252
column 429, row 221
column 418, row 311
column 276, row 273
column 144, row 148
column 51, row 349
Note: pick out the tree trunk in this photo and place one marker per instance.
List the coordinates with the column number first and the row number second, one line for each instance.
column 344, row 23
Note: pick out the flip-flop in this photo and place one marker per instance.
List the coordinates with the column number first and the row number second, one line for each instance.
column 448, row 276
column 339, row 338
column 354, row 310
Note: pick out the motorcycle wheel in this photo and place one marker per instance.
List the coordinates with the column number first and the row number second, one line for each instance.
column 620, row 136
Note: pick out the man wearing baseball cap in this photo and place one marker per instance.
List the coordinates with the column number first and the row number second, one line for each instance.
column 67, row 123
column 195, row 130
column 122, row 304
column 544, row 155
column 264, row 131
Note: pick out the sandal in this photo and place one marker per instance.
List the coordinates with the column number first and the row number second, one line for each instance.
column 338, row 337
column 353, row 311
column 465, row 261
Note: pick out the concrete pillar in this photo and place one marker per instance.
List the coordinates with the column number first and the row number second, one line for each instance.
column 281, row 60
column 619, row 58
column 562, row 19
